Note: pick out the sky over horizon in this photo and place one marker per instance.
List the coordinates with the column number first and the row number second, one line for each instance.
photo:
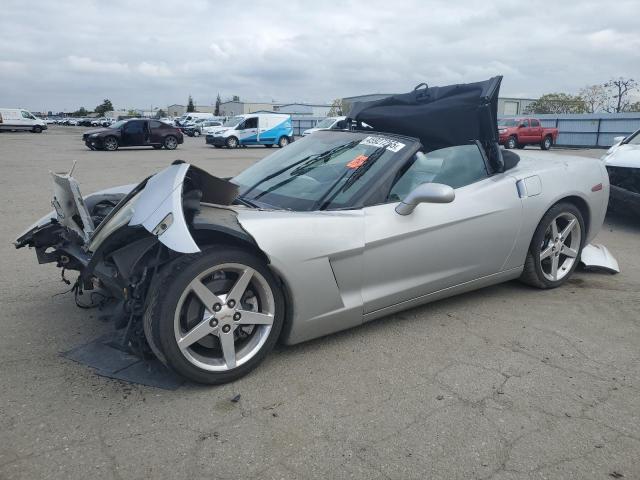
column 66, row 54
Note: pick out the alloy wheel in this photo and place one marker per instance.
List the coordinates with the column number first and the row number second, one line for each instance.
column 170, row 143
column 560, row 246
column 110, row 144
column 224, row 317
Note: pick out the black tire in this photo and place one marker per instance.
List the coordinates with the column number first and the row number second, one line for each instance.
column 163, row 300
column 37, row 129
column 546, row 143
column 170, row 142
column 110, row 143
column 157, row 147
column 532, row 273
column 232, row 142
column 283, row 141
column 512, row 142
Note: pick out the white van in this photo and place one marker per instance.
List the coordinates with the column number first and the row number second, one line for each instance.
column 19, row 119
column 266, row 129
column 329, row 123
column 193, row 116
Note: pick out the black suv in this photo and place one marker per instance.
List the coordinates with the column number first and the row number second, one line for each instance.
column 134, row 133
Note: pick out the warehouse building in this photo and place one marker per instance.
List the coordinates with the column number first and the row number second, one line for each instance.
column 313, row 110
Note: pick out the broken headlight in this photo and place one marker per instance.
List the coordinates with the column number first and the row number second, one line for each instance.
column 119, row 219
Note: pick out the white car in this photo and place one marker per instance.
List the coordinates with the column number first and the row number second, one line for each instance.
column 20, row 119
column 623, row 165
column 329, row 123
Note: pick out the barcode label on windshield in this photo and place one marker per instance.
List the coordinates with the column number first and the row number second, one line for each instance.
column 382, row 142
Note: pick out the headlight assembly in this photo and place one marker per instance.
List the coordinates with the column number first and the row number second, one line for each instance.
column 119, row 220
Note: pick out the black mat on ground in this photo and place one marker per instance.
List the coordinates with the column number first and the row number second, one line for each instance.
column 107, row 360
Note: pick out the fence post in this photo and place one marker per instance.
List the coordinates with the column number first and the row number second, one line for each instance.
column 598, row 133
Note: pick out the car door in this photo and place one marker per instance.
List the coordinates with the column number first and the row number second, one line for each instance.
column 536, row 130
column 248, row 134
column 438, row 246
column 133, row 133
column 156, row 130
column 524, row 131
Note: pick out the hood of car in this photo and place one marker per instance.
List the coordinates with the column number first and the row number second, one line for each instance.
column 624, row 156
column 97, row 130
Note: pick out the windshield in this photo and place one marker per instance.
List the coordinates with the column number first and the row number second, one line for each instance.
column 232, row 122
column 326, row 170
column 326, row 123
column 118, row 124
column 508, row 122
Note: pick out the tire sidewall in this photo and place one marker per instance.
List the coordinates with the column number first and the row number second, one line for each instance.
column 538, row 237
column 172, row 287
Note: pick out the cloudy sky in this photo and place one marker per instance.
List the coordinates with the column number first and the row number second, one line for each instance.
column 63, row 54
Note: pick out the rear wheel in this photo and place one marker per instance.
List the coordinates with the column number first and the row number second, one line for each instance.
column 283, row 142
column 213, row 317
column 196, row 133
column 512, row 142
column 546, row 143
column 110, row 144
column 555, row 248
column 170, row 142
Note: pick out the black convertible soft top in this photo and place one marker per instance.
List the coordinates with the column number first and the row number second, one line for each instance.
column 439, row 116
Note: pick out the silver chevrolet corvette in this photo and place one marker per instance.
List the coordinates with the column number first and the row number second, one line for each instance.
column 335, row 230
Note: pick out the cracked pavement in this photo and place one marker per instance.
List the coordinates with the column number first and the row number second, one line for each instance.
column 503, row 383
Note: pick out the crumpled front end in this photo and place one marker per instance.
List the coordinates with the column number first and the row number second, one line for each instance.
column 117, row 239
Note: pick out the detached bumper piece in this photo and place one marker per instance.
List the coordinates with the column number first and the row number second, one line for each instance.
column 598, row 257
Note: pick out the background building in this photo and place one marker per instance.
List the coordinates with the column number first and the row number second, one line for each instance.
column 513, row 106
column 314, row 110
column 234, row 107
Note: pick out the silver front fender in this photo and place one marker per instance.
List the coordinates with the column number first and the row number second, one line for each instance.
column 160, row 202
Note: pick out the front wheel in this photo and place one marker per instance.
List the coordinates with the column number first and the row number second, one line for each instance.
column 110, row 144
column 232, row 142
column 170, row 142
column 555, row 248
column 212, row 317
column 37, row 129
column 546, row 143
column 511, row 143
column 283, row 142
column 196, row 133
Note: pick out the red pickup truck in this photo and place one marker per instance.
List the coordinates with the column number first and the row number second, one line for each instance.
column 518, row 132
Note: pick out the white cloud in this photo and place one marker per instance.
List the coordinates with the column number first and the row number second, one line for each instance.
column 88, row 65
column 304, row 51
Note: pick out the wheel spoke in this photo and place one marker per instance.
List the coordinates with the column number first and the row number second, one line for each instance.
column 241, row 285
column 568, row 251
column 547, row 252
column 196, row 333
column 254, row 318
column 554, row 229
column 554, row 267
column 567, row 230
column 206, row 296
column 228, row 349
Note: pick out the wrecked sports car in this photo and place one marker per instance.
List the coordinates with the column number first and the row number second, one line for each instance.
column 337, row 229
column 623, row 164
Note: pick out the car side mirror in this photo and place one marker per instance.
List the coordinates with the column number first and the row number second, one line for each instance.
column 426, row 193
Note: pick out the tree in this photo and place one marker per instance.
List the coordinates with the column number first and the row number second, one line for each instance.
column 81, row 112
column 595, row 98
column 619, row 90
column 218, row 102
column 190, row 106
column 132, row 113
column 160, row 113
column 235, row 98
column 634, row 107
column 104, row 107
column 557, row 103
column 337, row 108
